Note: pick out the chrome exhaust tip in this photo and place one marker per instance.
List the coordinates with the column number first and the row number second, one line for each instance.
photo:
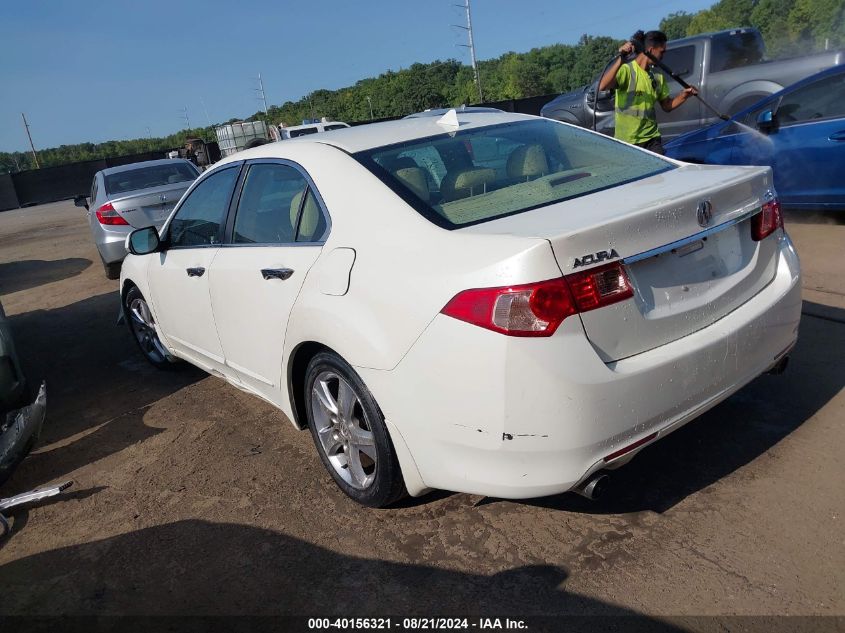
column 594, row 487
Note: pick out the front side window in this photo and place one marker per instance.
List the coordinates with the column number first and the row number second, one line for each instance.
column 198, row 220
column 823, row 99
column 152, row 176
column 269, row 205
column 494, row 171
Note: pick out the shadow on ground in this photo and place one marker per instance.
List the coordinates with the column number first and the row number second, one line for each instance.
column 732, row 434
column 98, row 385
column 16, row 276
column 215, row 569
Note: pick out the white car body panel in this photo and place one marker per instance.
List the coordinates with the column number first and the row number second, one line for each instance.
column 469, row 409
column 251, row 313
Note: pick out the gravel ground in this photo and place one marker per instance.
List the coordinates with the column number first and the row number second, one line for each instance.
column 191, row 497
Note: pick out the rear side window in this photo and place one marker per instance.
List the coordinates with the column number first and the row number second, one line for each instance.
column 269, row 205
column 146, row 177
column 336, row 126
column 198, row 220
column 302, row 132
column 485, row 173
column 733, row 50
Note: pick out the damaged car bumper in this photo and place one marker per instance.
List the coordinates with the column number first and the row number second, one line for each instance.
column 19, row 431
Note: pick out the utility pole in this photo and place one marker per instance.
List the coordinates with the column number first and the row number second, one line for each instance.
column 29, row 136
column 261, row 95
column 149, row 134
column 370, row 101
column 185, row 116
column 471, row 47
column 204, row 109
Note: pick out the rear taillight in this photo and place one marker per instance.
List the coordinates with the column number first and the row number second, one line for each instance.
column 538, row 309
column 767, row 221
column 107, row 215
column 599, row 287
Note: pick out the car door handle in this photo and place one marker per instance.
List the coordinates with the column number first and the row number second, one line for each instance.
column 276, row 273
column 199, row 271
column 837, row 136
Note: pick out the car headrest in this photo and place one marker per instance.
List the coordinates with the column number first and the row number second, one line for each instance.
column 414, row 178
column 466, row 182
column 528, row 161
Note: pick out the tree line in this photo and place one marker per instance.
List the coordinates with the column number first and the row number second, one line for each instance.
column 789, row 27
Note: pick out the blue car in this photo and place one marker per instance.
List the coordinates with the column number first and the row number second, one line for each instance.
column 799, row 132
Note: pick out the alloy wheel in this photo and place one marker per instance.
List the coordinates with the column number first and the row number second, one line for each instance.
column 344, row 432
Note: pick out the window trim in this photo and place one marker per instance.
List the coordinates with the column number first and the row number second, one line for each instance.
column 310, row 187
column 165, row 230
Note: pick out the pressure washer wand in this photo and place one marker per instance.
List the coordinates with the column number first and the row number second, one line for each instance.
column 677, row 78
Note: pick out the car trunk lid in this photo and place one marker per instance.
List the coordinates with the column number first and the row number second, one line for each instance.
column 685, row 273
column 149, row 207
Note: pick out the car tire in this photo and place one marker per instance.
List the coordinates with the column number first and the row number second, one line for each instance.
column 112, row 270
column 350, row 434
column 141, row 324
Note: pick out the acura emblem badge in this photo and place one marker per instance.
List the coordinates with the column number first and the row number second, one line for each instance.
column 704, row 213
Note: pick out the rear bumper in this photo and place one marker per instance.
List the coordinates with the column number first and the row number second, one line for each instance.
column 516, row 418
column 110, row 241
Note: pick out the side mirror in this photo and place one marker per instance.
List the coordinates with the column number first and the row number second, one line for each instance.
column 767, row 121
column 80, row 201
column 143, row 241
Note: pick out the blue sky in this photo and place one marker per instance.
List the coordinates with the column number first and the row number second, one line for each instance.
column 97, row 70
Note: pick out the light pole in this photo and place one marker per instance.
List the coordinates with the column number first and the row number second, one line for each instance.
column 370, row 101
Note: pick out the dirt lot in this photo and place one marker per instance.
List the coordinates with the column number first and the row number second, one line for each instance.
column 191, row 497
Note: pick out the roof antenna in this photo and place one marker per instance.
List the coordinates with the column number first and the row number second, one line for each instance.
column 450, row 119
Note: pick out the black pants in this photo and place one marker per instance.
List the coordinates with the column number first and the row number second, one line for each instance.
column 653, row 145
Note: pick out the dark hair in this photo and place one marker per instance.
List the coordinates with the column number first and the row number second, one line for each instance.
column 643, row 41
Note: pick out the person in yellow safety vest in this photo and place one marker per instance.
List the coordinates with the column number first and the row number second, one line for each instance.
column 638, row 88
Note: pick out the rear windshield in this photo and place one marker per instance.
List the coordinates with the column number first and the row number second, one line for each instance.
column 146, row 177
column 485, row 173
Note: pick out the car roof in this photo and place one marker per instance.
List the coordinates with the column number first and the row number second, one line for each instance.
column 147, row 163
column 442, row 111
column 371, row 135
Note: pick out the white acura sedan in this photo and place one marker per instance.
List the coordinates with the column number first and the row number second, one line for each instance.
column 481, row 302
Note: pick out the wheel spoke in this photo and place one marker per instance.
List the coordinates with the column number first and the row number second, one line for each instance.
column 356, row 469
column 361, row 437
column 324, row 396
column 138, row 317
column 330, row 444
column 346, row 400
column 369, row 450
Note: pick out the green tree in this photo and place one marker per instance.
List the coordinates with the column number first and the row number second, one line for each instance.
column 675, row 25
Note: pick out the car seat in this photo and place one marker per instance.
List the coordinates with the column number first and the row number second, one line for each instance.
column 311, row 224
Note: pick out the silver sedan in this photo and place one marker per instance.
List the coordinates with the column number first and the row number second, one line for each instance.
column 131, row 197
